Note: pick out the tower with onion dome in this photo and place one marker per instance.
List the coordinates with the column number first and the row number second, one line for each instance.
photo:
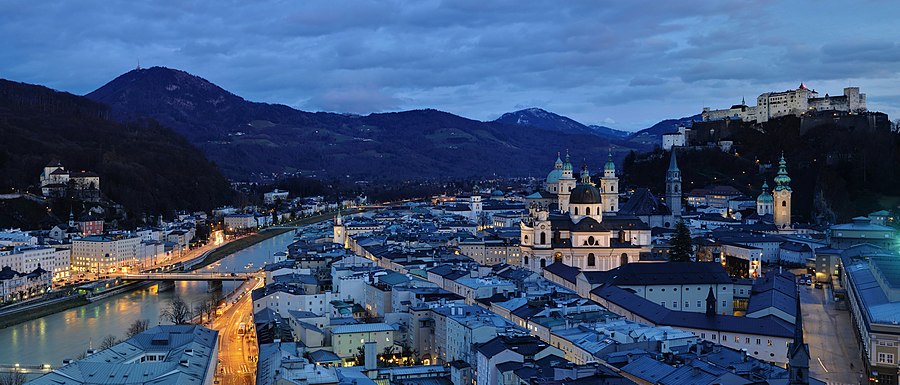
column 609, row 187
column 782, row 196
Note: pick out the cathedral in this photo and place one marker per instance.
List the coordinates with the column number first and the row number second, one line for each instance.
column 574, row 222
column 778, row 202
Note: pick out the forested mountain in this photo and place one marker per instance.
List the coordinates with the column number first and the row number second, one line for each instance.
column 249, row 139
column 144, row 166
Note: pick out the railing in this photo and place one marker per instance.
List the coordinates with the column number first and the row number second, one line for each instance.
column 187, row 277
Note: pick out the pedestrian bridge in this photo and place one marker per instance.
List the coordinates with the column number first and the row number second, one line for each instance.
column 187, row 277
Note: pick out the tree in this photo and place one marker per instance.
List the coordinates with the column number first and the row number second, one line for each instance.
column 178, row 312
column 108, row 342
column 682, row 249
column 14, row 378
column 137, row 327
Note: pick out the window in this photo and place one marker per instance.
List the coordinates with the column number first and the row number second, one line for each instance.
column 699, row 303
column 543, row 238
column 592, row 261
column 885, row 358
column 687, row 304
column 587, row 211
column 591, row 240
column 783, row 203
column 576, row 210
column 674, row 303
column 747, row 340
column 724, row 303
column 713, row 336
column 758, row 341
column 702, row 335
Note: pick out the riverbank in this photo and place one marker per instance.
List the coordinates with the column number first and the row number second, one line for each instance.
column 41, row 310
column 250, row 240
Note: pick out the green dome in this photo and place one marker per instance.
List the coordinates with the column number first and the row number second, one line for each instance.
column 782, row 180
column 554, row 176
column 610, row 165
column 765, row 196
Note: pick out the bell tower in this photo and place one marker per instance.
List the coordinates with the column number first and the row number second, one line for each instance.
column 609, row 187
column 782, row 196
column 673, row 187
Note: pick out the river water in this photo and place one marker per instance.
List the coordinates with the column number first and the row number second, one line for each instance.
column 51, row 339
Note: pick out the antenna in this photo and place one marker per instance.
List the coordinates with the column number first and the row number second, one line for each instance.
column 139, row 64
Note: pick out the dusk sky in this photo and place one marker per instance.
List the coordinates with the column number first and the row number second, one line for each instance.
column 624, row 64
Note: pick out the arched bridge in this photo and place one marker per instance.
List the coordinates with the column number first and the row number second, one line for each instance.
column 187, row 277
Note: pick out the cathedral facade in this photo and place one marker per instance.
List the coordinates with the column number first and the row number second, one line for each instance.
column 576, row 223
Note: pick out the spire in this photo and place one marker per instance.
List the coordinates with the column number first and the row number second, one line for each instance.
column 610, row 165
column 710, row 303
column 568, row 164
column 782, row 180
column 558, row 164
column 673, row 162
column 798, row 351
column 798, row 323
column 585, row 175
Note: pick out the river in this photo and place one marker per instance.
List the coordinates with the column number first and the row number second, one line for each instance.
column 51, row 339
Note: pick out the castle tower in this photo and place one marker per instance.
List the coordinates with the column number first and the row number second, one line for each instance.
column 340, row 232
column 782, row 196
column 609, row 187
column 798, row 352
column 765, row 202
column 673, row 187
column 566, row 184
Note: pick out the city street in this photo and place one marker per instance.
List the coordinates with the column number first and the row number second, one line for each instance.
column 832, row 343
column 236, row 350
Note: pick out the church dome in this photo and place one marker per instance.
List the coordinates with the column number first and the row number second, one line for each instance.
column 554, row 176
column 765, row 196
column 584, row 194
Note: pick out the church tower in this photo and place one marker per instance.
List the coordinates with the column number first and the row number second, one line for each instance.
column 765, row 202
column 782, row 196
column 566, row 184
column 798, row 352
column 609, row 187
column 340, row 233
column 673, row 187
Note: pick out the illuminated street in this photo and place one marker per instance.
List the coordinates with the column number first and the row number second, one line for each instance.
column 235, row 350
column 832, row 344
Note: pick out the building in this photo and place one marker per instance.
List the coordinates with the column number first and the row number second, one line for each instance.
column 348, row 341
column 56, row 181
column 15, row 286
column 273, row 196
column 89, row 224
column 240, row 222
column 101, row 254
column 796, row 102
column 164, row 355
column 28, row 258
column 509, row 349
column 873, row 291
column 861, row 230
column 566, row 223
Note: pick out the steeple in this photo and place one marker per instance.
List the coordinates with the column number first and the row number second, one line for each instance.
column 71, row 218
column 798, row 351
column 782, row 180
column 568, row 164
column 610, row 166
column 673, row 187
column 559, row 163
column 710, row 303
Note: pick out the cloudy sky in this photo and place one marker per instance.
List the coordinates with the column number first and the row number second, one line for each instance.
column 625, row 64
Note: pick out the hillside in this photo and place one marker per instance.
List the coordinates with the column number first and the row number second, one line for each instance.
column 838, row 171
column 251, row 140
column 143, row 166
column 652, row 136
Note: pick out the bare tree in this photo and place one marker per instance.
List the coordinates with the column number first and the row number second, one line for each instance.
column 178, row 312
column 137, row 327
column 14, row 378
column 108, row 342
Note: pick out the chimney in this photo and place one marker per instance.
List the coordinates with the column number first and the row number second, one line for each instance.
column 370, row 355
column 744, row 356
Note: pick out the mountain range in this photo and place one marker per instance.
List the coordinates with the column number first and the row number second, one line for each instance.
column 250, row 140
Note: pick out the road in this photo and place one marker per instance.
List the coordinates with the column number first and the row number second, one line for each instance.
column 835, row 356
column 236, row 350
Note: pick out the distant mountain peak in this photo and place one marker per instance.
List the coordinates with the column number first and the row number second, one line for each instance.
column 541, row 118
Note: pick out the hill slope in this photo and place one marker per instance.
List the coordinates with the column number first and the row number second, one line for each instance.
column 250, row 140
column 143, row 166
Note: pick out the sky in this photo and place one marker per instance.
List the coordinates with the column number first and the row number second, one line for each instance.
column 623, row 64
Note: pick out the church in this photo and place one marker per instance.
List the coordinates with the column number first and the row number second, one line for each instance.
column 576, row 223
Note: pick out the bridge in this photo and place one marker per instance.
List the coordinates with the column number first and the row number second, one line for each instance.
column 25, row 369
column 187, row 277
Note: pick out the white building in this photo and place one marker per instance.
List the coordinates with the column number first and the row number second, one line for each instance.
column 276, row 195
column 346, row 340
column 772, row 105
column 29, row 258
column 105, row 254
column 235, row 222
